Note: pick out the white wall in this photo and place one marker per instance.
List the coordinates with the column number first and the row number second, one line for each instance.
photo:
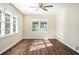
column 68, row 26
column 9, row 41
column 28, row 34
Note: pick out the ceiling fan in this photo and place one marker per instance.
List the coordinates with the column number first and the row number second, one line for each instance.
column 42, row 6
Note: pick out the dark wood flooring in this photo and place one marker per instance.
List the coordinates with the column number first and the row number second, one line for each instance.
column 40, row 47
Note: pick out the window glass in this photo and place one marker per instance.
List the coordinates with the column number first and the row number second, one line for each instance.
column 8, row 23
column 43, row 26
column 7, row 18
column 39, row 26
column 0, row 31
column 14, row 30
column 0, row 24
column 35, row 26
column 7, row 31
column 0, row 14
column 14, row 24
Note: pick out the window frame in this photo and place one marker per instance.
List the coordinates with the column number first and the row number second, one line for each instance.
column 35, row 26
column 4, row 11
column 39, row 21
column 46, row 25
column 16, row 22
column 7, row 12
column 2, row 22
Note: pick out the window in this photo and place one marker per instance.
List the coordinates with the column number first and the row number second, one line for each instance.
column 15, row 24
column 0, row 22
column 35, row 26
column 8, row 23
column 43, row 26
column 39, row 26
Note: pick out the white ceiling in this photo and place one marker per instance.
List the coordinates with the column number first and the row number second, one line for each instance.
column 26, row 9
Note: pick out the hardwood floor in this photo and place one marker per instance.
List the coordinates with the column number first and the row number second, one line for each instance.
column 40, row 47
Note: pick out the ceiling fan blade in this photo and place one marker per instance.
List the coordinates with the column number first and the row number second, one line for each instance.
column 44, row 9
column 49, row 6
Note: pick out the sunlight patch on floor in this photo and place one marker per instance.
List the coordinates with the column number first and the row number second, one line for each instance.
column 48, row 43
column 40, row 45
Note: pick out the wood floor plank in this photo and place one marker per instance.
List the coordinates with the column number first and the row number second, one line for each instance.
column 51, row 49
column 45, row 49
column 62, row 49
column 40, row 47
column 27, row 47
column 20, row 48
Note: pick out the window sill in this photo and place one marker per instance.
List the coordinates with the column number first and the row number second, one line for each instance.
column 8, row 35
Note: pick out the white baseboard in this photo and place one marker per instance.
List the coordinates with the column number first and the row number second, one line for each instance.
column 10, row 46
column 39, row 38
column 69, row 46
